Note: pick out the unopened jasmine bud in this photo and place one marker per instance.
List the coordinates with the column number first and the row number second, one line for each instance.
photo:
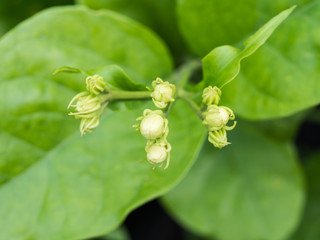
column 218, row 138
column 86, row 105
column 216, row 117
column 89, row 124
column 158, row 152
column 163, row 93
column 95, row 84
column 211, row 95
column 153, row 125
column 88, row 108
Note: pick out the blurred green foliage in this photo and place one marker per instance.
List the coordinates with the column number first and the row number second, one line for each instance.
column 14, row 11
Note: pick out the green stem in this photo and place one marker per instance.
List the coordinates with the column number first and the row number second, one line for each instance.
column 125, row 95
column 187, row 98
column 180, row 78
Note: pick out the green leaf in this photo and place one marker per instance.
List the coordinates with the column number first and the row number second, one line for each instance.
column 85, row 186
column 118, row 234
column 252, row 189
column 56, row 184
column 222, row 64
column 160, row 16
column 282, row 128
column 309, row 226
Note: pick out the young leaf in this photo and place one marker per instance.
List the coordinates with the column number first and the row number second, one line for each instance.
column 222, row 64
column 250, row 190
column 114, row 76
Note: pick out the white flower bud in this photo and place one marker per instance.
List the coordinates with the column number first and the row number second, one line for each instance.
column 218, row 138
column 163, row 93
column 95, row 84
column 211, row 95
column 157, row 153
column 152, row 126
column 216, row 117
column 88, row 108
column 87, row 105
column 89, row 124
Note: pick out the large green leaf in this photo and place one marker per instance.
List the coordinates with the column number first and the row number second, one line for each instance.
column 281, row 78
column 54, row 183
column 249, row 190
column 85, row 186
column 222, row 64
column 309, row 228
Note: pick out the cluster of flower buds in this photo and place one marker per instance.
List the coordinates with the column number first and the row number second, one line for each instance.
column 154, row 125
column 89, row 105
column 216, row 117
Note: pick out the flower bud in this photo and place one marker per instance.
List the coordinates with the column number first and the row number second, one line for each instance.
column 88, row 108
column 158, row 151
column 211, row 95
column 95, row 84
column 87, row 105
column 163, row 93
column 217, row 117
column 89, row 124
column 218, row 138
column 153, row 125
